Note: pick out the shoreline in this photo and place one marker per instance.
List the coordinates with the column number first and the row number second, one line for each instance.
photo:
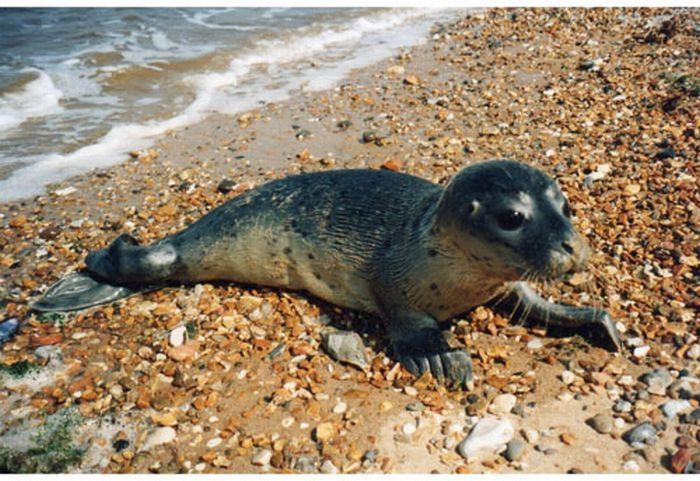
column 305, row 70
column 602, row 99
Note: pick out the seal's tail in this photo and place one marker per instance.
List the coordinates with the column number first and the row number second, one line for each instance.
column 120, row 270
column 126, row 263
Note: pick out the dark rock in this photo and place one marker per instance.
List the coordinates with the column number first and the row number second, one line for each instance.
column 302, row 134
column 667, row 153
column 226, row 186
column 344, row 124
column 120, row 444
column 370, row 455
column 8, row 329
column 369, row 136
column 692, row 417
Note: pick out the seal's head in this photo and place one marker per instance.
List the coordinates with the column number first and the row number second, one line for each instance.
column 514, row 219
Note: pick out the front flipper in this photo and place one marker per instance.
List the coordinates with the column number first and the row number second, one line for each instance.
column 526, row 300
column 79, row 290
column 420, row 346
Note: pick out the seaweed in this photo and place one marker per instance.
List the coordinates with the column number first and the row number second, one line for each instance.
column 53, row 449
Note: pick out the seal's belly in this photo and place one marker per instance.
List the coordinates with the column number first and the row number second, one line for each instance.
column 272, row 257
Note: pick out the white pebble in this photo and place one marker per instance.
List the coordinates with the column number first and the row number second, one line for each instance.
column 262, row 458
column 694, row 352
column 535, row 344
column 286, row 422
column 565, row 396
column 340, row 408
column 488, row 435
column 409, row 428
column 328, row 467
column 531, row 435
column 502, row 404
column 214, row 442
column 625, row 380
column 177, row 336
column 200, row 467
column 567, row 377
column 641, row 351
column 411, row 391
column 631, row 466
column 159, row 436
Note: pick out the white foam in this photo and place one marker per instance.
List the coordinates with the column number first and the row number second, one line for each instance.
column 200, row 18
column 39, row 98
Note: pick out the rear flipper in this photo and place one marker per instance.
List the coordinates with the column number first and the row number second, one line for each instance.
column 595, row 323
column 80, row 290
column 126, row 263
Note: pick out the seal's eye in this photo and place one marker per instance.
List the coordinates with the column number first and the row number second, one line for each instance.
column 510, row 219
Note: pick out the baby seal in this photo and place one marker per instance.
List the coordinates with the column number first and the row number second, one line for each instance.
column 410, row 251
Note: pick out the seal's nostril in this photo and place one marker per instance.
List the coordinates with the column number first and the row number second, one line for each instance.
column 568, row 248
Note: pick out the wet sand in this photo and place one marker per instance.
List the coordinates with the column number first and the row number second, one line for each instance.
column 605, row 100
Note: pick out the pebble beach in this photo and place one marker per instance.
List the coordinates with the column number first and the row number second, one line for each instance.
column 222, row 378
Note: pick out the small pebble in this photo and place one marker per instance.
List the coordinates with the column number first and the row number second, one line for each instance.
column 502, row 404
column 694, row 352
column 415, row 406
column 657, row 380
column 409, row 428
column 345, row 346
column 177, row 336
column 262, row 457
column 639, row 435
column 567, row 377
column 531, row 435
column 159, row 436
column 673, row 408
column 514, row 449
column 328, row 467
column 601, row 423
column 535, row 344
column 630, row 467
column 8, row 329
column 340, row 408
column 214, row 442
column 641, row 351
column 622, row 406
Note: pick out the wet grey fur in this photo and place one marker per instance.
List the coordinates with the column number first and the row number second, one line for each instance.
column 412, row 252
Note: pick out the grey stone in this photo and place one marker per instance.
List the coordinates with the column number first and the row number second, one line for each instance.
column 644, row 433
column 622, row 406
column 415, row 406
column 601, row 423
column 345, row 346
column 514, row 449
column 306, row 464
column 657, row 380
column 48, row 352
column 673, row 408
